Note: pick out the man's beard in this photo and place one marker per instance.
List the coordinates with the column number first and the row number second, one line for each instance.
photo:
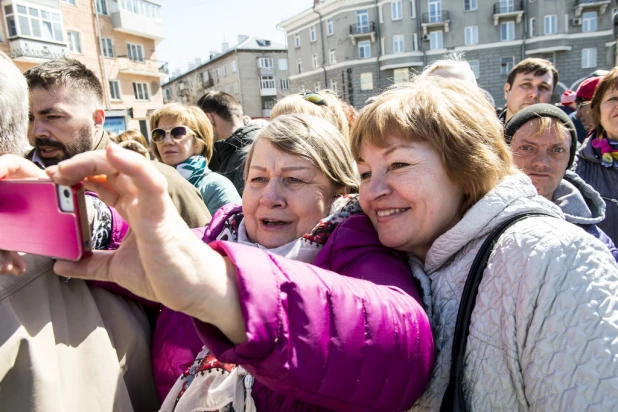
column 82, row 144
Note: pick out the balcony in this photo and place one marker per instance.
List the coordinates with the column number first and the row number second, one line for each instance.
column 508, row 9
column 143, row 20
column 36, row 51
column 358, row 31
column 151, row 68
column 207, row 84
column 268, row 92
column 581, row 5
column 267, row 71
column 432, row 20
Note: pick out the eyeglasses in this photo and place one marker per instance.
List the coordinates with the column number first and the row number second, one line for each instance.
column 579, row 105
column 177, row 133
column 314, row 98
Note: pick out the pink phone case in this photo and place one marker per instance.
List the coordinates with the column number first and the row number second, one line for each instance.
column 32, row 221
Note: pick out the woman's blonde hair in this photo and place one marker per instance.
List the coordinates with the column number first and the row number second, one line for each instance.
column 331, row 110
column 450, row 115
column 191, row 116
column 131, row 134
column 313, row 139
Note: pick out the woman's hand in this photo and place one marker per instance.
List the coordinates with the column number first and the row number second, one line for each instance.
column 161, row 260
column 15, row 167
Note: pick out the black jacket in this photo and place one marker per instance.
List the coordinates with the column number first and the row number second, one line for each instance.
column 228, row 157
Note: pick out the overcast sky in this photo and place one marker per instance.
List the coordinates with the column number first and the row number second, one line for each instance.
column 193, row 28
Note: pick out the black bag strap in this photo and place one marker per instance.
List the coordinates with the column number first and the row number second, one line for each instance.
column 453, row 399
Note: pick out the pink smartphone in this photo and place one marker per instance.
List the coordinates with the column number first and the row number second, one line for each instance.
column 40, row 217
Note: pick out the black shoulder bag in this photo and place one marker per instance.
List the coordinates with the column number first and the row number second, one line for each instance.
column 453, row 399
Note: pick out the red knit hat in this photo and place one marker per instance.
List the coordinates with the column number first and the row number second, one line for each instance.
column 586, row 89
column 567, row 97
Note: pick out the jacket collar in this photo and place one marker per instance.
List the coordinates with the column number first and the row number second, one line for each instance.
column 580, row 203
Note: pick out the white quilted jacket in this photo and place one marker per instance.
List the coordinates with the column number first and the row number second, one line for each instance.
column 544, row 331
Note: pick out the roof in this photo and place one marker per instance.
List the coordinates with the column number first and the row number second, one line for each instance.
column 251, row 44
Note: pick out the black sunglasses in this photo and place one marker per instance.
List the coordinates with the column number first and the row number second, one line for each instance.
column 158, row 135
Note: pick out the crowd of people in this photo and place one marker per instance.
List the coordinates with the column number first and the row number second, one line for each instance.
column 320, row 260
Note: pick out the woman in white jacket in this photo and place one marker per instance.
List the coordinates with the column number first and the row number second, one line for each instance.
column 437, row 179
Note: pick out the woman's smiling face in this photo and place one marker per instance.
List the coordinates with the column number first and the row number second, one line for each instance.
column 407, row 194
column 285, row 196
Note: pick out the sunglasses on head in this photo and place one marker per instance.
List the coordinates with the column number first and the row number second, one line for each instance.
column 314, row 98
column 177, row 133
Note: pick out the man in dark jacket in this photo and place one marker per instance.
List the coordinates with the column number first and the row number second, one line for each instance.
column 545, row 150
column 230, row 134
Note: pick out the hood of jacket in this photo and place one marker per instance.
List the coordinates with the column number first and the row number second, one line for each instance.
column 514, row 194
column 580, row 203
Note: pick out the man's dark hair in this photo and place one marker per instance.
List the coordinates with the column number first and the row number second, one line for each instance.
column 65, row 73
column 533, row 65
column 221, row 104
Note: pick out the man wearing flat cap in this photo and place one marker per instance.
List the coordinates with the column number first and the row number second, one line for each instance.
column 543, row 141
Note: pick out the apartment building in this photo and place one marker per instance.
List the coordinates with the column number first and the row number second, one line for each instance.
column 115, row 39
column 255, row 72
column 360, row 47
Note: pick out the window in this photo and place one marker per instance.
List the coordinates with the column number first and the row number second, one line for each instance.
column 102, row 7
column 471, row 35
column 234, row 66
column 380, row 14
column 71, row 2
column 312, row 35
column 413, row 9
column 589, row 21
column 283, row 64
column 35, row 22
column 507, row 6
column 330, row 27
column 226, row 89
column 435, row 40
column 136, row 52
column 401, row 75
column 297, row 40
column 236, row 88
column 142, row 8
column 507, row 31
column 267, row 82
column 362, row 21
column 589, row 58
column 551, row 23
column 383, row 45
column 470, row 5
column 396, row 13
column 265, row 63
column 225, row 69
column 476, row 68
column 332, row 56
column 314, row 61
column 364, row 49
column 531, row 28
column 107, row 46
column 75, row 44
column 506, row 64
column 114, row 90
column 217, row 72
column 366, row 81
column 299, row 65
column 317, row 87
column 284, row 84
column 333, row 86
column 141, row 91
column 398, row 43
column 268, row 104
column 414, row 42
column 435, row 11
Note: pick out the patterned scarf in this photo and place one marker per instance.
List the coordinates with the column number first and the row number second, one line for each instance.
column 608, row 149
column 193, row 169
column 210, row 385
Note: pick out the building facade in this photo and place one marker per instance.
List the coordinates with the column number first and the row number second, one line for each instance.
column 115, row 39
column 255, row 72
column 360, row 47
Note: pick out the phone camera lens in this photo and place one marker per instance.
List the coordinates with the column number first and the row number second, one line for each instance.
column 66, row 193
